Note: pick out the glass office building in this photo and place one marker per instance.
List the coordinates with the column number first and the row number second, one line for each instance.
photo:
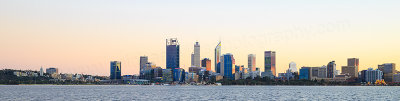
column 115, row 70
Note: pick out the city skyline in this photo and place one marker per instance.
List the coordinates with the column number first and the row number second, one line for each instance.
column 78, row 39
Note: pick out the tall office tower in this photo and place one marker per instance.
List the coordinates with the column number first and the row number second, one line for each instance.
column 52, row 70
column 115, row 70
column 196, row 55
column 352, row 67
column 41, row 71
column 252, row 62
column 331, row 69
column 143, row 61
column 270, row 62
column 353, row 62
column 206, row 63
column 292, row 67
column 388, row 69
column 172, row 53
column 228, row 66
column 217, row 58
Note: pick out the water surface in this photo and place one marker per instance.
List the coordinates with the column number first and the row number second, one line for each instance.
column 129, row 92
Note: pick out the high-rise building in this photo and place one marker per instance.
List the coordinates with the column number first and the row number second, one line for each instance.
column 196, row 55
column 371, row 75
column 143, row 61
column 115, row 70
column 41, row 71
column 228, row 66
column 217, row 56
column 270, row 62
column 252, row 62
column 172, row 53
column 292, row 67
column 206, row 63
column 388, row 69
column 352, row 67
column 353, row 62
column 52, row 70
column 331, row 69
column 350, row 70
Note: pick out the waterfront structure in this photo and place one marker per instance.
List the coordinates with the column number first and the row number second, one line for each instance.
column 206, row 63
column 305, row 73
column 228, row 66
column 217, row 56
column 196, row 55
column 352, row 67
column 52, row 70
column 115, row 70
column 371, row 75
column 178, row 74
column 251, row 62
column 167, row 75
column 270, row 62
column 292, row 67
column 388, row 69
column 41, row 71
column 396, row 78
column 322, row 72
column 331, row 69
column 172, row 53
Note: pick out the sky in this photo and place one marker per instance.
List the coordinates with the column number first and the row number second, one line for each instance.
column 84, row 36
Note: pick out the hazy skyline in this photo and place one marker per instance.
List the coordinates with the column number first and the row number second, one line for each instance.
column 84, row 36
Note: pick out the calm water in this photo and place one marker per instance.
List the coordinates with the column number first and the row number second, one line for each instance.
column 127, row 92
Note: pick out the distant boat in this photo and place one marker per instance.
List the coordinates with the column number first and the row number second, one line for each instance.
column 218, row 84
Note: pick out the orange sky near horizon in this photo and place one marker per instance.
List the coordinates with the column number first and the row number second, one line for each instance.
column 83, row 37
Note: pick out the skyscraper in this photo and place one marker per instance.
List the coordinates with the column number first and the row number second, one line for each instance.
column 270, row 62
column 228, row 66
column 252, row 62
column 331, row 69
column 143, row 61
column 206, row 63
column 41, row 71
column 352, row 67
column 172, row 53
column 196, row 55
column 115, row 70
column 217, row 57
column 353, row 62
column 292, row 67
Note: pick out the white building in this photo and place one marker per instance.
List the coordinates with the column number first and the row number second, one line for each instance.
column 196, row 55
column 292, row 67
